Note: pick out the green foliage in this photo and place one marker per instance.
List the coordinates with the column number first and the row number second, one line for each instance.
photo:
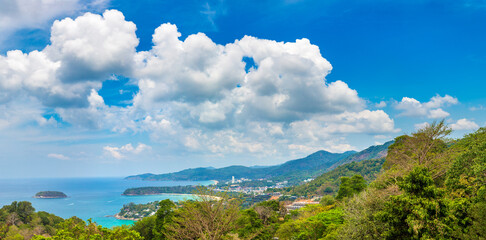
column 145, row 227
column 250, row 226
column 272, row 205
column 328, row 183
column 249, row 201
column 318, row 226
column 425, row 148
column 163, row 218
column 159, row 190
column 467, row 175
column 373, row 152
column 466, row 184
column 392, row 206
column 327, row 200
column 23, row 210
column 75, row 228
column 351, row 186
column 420, row 213
column 209, row 216
column 138, row 211
column 50, row 194
column 20, row 221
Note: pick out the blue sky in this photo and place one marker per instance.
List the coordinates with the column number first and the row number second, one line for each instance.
column 92, row 91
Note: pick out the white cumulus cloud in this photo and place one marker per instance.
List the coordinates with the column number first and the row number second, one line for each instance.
column 431, row 109
column 84, row 52
column 121, row 152
column 464, row 124
column 438, row 113
column 381, row 104
column 194, row 94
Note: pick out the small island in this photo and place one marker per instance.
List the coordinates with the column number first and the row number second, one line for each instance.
column 50, row 194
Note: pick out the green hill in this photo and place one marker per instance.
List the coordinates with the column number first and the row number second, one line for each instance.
column 328, row 183
column 373, row 152
column 294, row 170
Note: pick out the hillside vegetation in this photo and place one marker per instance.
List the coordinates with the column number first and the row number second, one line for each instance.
column 373, row 152
column 160, row 190
column 328, row 183
column 137, row 211
column 19, row 221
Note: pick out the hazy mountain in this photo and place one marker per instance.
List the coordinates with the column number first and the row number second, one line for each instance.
column 293, row 170
column 309, row 166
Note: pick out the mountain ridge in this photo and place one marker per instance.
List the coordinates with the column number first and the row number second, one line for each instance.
column 293, row 170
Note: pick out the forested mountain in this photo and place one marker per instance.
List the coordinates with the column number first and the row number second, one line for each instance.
column 373, row 152
column 299, row 168
column 292, row 171
column 328, row 183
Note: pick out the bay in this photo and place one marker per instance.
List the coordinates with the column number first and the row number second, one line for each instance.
column 95, row 198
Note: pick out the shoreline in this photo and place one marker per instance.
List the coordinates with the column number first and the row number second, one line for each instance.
column 178, row 194
column 124, row 218
column 153, row 194
column 45, row 197
column 214, row 183
column 49, row 197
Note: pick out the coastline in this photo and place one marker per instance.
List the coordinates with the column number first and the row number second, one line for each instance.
column 124, row 218
column 176, row 194
column 154, row 194
column 49, row 197
column 214, row 183
column 94, row 198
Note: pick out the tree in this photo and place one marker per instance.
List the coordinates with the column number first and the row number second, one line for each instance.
column 318, row 226
column 209, row 216
column 250, row 226
column 466, row 184
column 268, row 210
column 23, row 210
column 145, row 227
column 164, row 217
column 420, row 212
column 425, row 148
column 351, row 186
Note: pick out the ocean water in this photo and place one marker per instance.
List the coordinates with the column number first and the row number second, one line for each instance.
column 95, row 198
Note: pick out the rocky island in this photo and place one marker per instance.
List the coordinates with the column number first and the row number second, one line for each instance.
column 50, row 194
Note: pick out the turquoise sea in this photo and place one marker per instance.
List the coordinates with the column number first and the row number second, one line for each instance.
column 95, row 198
